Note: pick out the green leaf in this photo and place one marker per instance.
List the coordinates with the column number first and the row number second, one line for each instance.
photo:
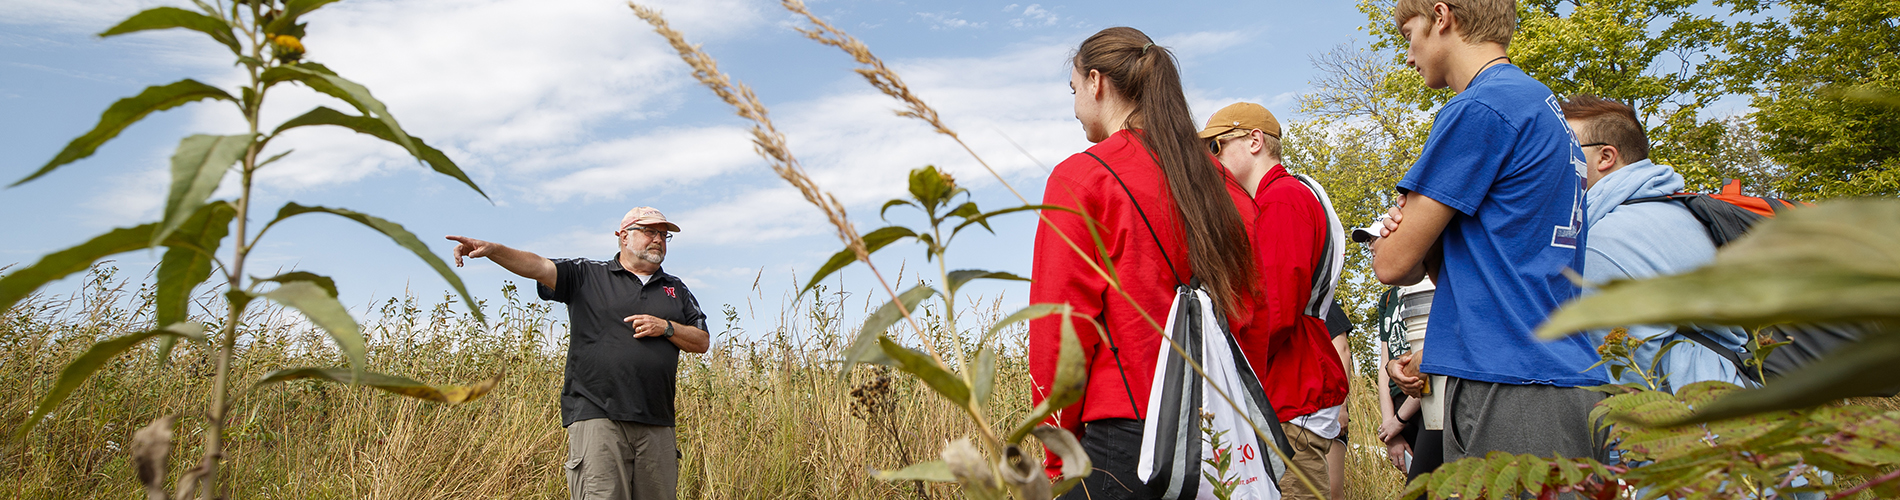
column 381, row 130
column 929, row 187
column 197, row 169
column 1070, row 383
column 293, row 9
column 172, row 17
column 983, row 376
column 873, row 241
column 324, row 310
column 187, row 263
column 399, row 385
column 1414, row 489
column 1834, row 262
column 893, row 203
column 21, row 283
column 1473, row 480
column 1504, row 485
column 90, row 361
column 865, row 348
column 925, row 368
column 967, row 210
column 959, row 278
column 402, row 237
column 321, row 79
column 984, row 218
column 1854, row 370
column 1033, row 311
column 126, row 112
column 935, row 471
column 328, row 285
column 1535, row 473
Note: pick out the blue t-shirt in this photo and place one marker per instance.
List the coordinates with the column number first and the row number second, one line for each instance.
column 1501, row 155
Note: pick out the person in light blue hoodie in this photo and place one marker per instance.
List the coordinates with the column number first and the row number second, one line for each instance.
column 1641, row 240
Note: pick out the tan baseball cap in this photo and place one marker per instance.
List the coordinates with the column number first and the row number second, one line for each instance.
column 1241, row 116
column 647, row 216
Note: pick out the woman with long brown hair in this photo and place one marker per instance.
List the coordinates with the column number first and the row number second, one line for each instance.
column 1164, row 214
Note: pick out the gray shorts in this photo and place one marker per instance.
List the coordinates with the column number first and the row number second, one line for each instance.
column 611, row 460
column 1482, row 417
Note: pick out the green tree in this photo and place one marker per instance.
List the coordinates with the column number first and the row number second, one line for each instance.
column 1809, row 64
column 1363, row 135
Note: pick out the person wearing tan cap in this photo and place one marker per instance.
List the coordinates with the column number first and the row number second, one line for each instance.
column 628, row 320
column 1298, row 242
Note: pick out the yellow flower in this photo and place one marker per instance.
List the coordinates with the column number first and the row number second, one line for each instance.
column 289, row 43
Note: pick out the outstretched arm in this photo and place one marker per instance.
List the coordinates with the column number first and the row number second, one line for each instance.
column 521, row 262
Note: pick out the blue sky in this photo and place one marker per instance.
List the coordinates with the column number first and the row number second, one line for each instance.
column 571, row 112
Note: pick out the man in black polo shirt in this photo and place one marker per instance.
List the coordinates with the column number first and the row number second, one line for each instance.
column 628, row 323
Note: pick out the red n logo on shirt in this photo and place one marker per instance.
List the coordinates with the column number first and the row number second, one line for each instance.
column 669, row 292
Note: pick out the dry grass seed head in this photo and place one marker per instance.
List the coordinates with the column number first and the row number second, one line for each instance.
column 766, row 139
column 878, row 75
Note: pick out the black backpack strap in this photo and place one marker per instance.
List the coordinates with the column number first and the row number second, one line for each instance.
column 1126, row 388
column 1144, row 220
column 1701, row 337
column 1648, row 200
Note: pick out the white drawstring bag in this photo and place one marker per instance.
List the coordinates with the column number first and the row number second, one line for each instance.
column 1174, row 447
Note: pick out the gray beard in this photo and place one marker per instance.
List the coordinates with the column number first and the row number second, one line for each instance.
column 653, row 256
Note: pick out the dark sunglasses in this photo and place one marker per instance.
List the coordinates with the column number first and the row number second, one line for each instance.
column 1214, row 144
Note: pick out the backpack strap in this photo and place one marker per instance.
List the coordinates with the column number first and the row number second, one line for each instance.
column 1701, row 337
column 1126, row 388
column 1144, row 219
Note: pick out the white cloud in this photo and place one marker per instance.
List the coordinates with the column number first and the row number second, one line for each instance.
column 70, row 16
column 632, row 164
column 856, row 148
column 1033, row 15
column 493, row 83
column 1208, row 42
column 944, row 21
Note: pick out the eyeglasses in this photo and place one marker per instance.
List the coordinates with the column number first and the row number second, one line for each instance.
column 1214, row 145
column 660, row 234
column 1593, row 144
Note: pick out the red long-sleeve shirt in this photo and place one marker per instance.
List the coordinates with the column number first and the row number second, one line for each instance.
column 1291, row 352
column 1061, row 275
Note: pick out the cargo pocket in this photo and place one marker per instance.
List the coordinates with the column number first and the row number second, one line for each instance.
column 573, row 467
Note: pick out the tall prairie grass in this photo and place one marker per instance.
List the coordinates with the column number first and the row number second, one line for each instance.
column 762, row 415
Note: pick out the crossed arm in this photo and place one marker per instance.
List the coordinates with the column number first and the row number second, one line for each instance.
column 1408, row 252
column 1409, row 249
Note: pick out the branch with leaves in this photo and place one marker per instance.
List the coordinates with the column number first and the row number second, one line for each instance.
column 265, row 38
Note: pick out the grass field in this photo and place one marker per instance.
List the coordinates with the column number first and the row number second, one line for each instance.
column 767, row 417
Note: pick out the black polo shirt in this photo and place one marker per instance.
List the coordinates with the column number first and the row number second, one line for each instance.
column 611, row 374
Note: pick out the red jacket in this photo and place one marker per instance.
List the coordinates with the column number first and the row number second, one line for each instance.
column 1060, row 275
column 1291, row 352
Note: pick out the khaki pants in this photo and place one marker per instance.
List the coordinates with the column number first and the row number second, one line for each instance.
column 610, row 460
column 1309, row 456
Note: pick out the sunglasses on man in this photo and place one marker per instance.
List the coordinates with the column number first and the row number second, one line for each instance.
column 1214, row 144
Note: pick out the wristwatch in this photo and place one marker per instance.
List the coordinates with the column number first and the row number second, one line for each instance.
column 669, row 330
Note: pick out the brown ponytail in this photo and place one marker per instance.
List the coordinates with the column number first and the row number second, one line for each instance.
column 1145, row 74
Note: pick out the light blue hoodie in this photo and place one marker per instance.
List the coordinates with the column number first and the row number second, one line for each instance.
column 1641, row 240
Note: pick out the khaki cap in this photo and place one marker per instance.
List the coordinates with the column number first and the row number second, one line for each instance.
column 1241, row 116
column 647, row 216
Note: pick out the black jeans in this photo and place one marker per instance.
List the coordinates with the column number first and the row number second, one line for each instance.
column 1114, row 448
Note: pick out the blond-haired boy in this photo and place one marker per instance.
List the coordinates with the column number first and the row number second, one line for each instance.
column 1494, row 207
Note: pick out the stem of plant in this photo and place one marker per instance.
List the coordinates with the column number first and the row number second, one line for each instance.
column 219, row 400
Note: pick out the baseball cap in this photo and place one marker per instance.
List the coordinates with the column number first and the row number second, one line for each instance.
column 647, row 216
column 1241, row 116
